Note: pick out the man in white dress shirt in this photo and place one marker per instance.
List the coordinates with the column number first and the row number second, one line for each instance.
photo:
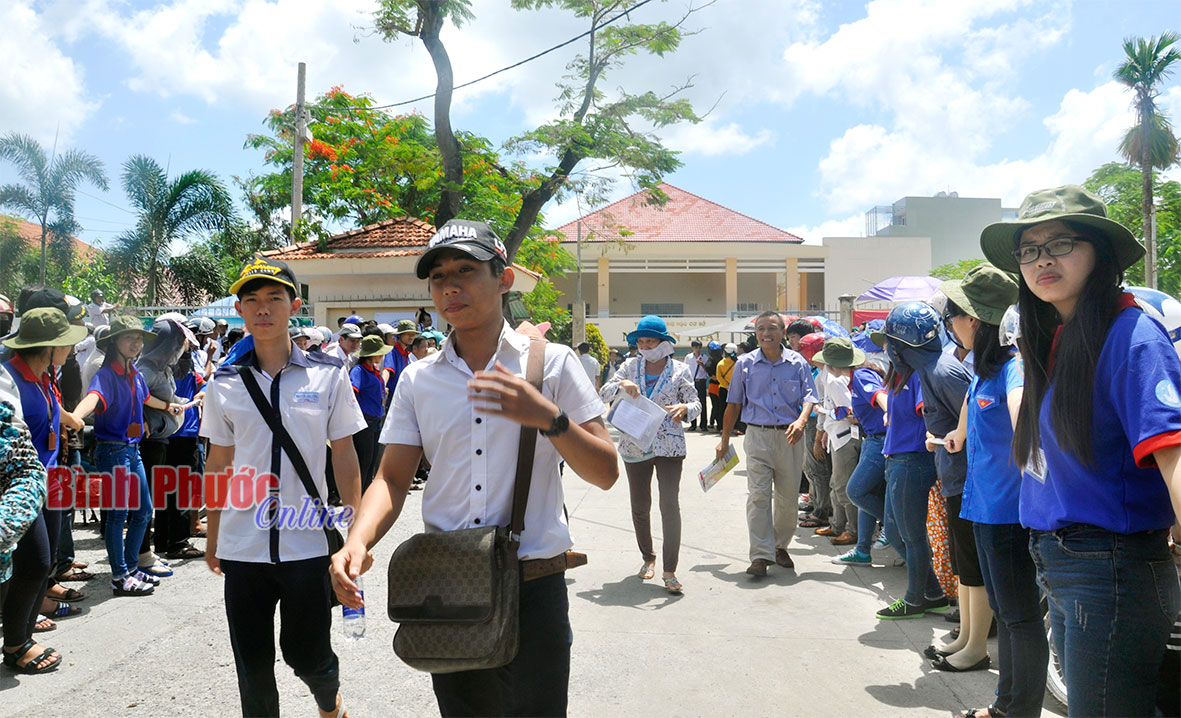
column 463, row 408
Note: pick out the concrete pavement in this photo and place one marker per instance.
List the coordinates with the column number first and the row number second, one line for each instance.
column 802, row 643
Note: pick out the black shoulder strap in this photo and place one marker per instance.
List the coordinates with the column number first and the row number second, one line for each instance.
column 533, row 374
column 276, row 425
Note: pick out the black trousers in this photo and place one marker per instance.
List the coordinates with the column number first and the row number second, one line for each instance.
column 32, row 561
column 174, row 526
column 302, row 592
column 702, row 386
column 536, row 683
column 368, row 449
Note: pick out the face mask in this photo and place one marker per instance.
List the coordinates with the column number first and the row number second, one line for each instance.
column 662, row 350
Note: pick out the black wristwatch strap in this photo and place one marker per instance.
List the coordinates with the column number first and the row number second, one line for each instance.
column 559, row 426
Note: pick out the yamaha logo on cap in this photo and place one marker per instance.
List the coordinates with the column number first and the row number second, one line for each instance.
column 473, row 238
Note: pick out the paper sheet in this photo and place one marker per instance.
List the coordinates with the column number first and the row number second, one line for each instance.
column 638, row 417
column 713, row 473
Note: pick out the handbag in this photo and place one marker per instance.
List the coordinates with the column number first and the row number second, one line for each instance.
column 275, row 423
column 456, row 594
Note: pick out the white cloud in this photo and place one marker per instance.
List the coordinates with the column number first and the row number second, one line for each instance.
column 42, row 92
column 852, row 226
column 710, row 138
column 181, row 118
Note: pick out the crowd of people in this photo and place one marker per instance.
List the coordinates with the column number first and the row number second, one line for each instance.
column 1015, row 438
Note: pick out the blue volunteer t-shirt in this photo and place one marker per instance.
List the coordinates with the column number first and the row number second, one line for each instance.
column 906, row 431
column 120, row 412
column 1135, row 410
column 367, row 384
column 865, row 386
column 992, row 492
column 944, row 385
column 42, row 412
column 187, row 387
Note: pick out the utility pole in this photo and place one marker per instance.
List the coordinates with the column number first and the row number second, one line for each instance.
column 1150, row 260
column 297, row 168
column 578, row 333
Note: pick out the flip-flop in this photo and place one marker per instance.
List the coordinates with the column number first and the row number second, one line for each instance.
column 70, row 594
column 673, row 585
column 44, row 624
column 64, row 609
column 646, row 572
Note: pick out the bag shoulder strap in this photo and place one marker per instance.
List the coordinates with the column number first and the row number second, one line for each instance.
column 276, row 425
column 533, row 374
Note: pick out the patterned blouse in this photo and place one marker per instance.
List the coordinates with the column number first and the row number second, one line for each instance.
column 22, row 485
column 674, row 386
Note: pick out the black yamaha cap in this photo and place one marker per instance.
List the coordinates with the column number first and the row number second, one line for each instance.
column 474, row 238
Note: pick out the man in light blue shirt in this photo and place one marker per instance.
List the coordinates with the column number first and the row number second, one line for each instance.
column 772, row 391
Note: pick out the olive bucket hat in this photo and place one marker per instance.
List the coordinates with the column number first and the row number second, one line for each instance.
column 985, row 293
column 45, row 327
column 1068, row 203
column 839, row 352
column 121, row 325
column 373, row 346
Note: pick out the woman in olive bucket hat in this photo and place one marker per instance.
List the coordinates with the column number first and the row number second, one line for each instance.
column 43, row 343
column 669, row 383
column 1099, row 436
column 119, row 393
column 990, row 502
column 371, row 393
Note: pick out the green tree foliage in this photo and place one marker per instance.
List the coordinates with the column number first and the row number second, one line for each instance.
column 1150, row 143
column 47, row 196
column 1118, row 185
column 366, row 165
column 955, row 270
column 12, row 251
column 91, row 273
column 617, row 130
column 564, row 334
column 184, row 208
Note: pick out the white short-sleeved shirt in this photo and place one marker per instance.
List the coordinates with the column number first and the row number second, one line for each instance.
column 474, row 456
column 316, row 405
column 97, row 313
column 591, row 365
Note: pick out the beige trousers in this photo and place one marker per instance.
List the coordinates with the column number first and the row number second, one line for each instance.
column 773, row 469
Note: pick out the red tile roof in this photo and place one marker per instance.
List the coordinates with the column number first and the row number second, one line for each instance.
column 32, row 234
column 685, row 218
column 382, row 240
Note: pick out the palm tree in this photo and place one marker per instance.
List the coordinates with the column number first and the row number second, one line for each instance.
column 179, row 209
column 50, row 183
column 1150, row 143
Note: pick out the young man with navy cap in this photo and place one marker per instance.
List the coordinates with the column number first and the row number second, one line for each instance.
column 268, row 563
column 463, row 408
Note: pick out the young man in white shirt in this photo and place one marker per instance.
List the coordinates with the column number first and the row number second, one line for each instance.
column 589, row 363
column 699, row 365
column 464, row 407
column 98, row 309
column 268, row 562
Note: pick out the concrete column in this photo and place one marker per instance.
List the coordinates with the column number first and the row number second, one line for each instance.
column 791, row 287
column 803, row 291
column 731, row 285
column 604, row 277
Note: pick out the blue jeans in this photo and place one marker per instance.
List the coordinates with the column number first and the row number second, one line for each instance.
column 1010, row 579
column 1113, row 598
column 867, row 491
column 909, row 478
column 123, row 553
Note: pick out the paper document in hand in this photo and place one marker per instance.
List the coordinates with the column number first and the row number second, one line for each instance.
column 711, row 474
column 639, row 418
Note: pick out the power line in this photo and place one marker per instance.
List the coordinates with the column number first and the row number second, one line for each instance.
column 100, row 199
column 605, row 23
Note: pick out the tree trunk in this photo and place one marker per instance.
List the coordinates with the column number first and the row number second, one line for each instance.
column 452, row 195
column 535, row 199
column 1146, row 213
column 44, row 244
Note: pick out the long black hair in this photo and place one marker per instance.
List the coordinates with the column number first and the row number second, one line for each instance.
column 988, row 354
column 1079, row 344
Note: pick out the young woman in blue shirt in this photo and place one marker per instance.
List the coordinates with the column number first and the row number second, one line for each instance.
column 991, row 495
column 371, row 395
column 1099, row 436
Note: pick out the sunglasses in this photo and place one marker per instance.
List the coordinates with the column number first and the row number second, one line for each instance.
column 1057, row 247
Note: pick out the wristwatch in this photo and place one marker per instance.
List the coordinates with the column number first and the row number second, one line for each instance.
column 560, row 425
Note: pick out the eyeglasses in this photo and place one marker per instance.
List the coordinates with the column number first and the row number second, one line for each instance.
column 1057, row 247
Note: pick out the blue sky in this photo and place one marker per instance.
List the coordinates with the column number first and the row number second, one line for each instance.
column 826, row 109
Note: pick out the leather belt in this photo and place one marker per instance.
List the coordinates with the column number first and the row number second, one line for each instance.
column 535, row 568
column 777, row 427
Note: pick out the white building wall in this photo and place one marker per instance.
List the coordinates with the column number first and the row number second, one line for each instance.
column 855, row 264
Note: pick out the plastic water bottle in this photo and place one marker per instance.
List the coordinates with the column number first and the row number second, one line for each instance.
column 354, row 618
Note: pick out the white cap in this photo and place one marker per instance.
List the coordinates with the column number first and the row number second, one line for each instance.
column 386, row 329
column 730, row 348
column 350, row 330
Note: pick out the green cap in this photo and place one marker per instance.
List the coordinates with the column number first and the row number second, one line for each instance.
column 1069, row 203
column 839, row 352
column 985, row 293
column 45, row 327
column 373, row 346
column 123, row 324
column 405, row 325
